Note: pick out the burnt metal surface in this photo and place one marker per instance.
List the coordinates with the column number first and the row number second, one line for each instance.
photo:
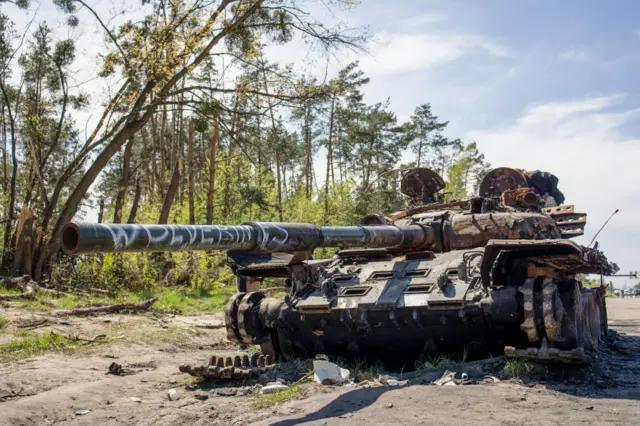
column 421, row 184
column 490, row 274
column 237, row 368
column 80, row 238
column 502, row 179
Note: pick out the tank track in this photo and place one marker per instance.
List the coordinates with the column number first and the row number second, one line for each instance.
column 571, row 332
column 236, row 368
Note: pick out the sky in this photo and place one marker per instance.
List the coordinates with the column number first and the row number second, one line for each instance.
column 538, row 84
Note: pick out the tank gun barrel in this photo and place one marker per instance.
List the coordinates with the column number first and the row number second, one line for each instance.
column 81, row 238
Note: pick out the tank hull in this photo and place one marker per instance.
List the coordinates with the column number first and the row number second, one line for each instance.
column 407, row 308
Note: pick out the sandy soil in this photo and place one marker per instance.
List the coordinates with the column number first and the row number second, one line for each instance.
column 53, row 387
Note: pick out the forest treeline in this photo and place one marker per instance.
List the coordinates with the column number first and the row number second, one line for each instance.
column 200, row 127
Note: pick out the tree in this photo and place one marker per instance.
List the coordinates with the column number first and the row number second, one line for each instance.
column 423, row 131
column 465, row 174
column 154, row 58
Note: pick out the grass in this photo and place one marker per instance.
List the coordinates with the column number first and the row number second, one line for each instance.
column 441, row 361
column 187, row 301
column 279, row 397
column 365, row 371
column 30, row 345
column 6, row 290
column 517, row 368
column 360, row 370
column 3, row 321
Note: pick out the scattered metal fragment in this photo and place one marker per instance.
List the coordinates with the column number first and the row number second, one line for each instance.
column 273, row 388
column 447, row 377
column 115, row 369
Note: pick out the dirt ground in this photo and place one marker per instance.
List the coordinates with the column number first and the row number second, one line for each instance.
column 50, row 389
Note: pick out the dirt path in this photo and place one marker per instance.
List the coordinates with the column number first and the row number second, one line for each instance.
column 53, row 387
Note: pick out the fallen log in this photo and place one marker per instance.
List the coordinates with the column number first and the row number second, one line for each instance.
column 112, row 309
column 27, row 286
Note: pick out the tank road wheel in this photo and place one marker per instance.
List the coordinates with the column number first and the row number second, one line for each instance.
column 590, row 320
column 572, row 323
column 231, row 318
column 604, row 321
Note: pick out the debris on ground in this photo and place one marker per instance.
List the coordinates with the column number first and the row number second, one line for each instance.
column 273, row 387
column 116, row 369
column 447, row 377
column 226, row 392
column 490, row 379
column 112, row 309
column 134, row 399
column 82, row 412
column 173, row 394
column 328, row 373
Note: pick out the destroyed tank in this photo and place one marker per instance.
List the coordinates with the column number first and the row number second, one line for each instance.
column 493, row 274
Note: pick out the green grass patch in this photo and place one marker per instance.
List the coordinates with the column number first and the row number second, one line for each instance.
column 30, row 345
column 517, row 368
column 366, row 371
column 441, row 361
column 360, row 369
column 6, row 290
column 3, row 321
column 185, row 300
column 279, row 397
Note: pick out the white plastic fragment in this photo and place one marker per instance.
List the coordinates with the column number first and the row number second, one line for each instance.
column 491, row 379
column 272, row 388
column 328, row 373
column 82, row 412
column 464, row 376
column 447, row 377
column 134, row 399
column 173, row 395
column 451, row 383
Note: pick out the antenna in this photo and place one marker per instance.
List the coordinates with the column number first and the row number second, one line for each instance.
column 605, row 224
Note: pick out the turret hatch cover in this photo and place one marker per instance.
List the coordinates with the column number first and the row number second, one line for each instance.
column 421, row 183
column 501, row 179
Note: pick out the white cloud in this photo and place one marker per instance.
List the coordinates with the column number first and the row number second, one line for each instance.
column 574, row 55
column 581, row 142
column 398, row 52
column 423, row 20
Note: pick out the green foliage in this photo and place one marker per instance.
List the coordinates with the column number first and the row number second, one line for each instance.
column 366, row 371
column 3, row 321
column 184, row 300
column 441, row 361
column 517, row 368
column 279, row 397
column 209, row 146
